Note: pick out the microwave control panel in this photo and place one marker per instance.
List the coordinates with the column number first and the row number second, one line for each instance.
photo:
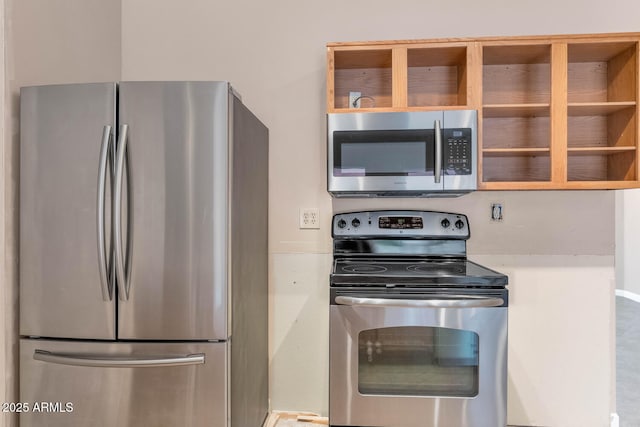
column 457, row 151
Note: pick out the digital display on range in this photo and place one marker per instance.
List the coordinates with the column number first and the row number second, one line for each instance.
column 402, row 222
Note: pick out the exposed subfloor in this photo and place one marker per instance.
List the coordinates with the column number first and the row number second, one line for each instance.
column 628, row 362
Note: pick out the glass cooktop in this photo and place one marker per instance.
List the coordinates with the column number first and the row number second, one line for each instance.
column 414, row 272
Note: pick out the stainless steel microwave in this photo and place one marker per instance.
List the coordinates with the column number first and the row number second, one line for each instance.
column 402, row 154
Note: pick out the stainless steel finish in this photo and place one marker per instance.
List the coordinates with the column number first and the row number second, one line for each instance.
column 179, row 191
column 183, row 395
column 60, row 276
column 248, row 240
column 432, row 227
column 435, row 301
column 437, row 173
column 409, row 186
column 349, row 407
column 463, row 119
column 418, row 333
column 192, row 284
column 378, row 121
column 107, row 361
column 121, row 274
column 234, row 93
column 106, row 285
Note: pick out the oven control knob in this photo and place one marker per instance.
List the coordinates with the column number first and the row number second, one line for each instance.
column 342, row 223
column 459, row 224
column 445, row 223
column 355, row 222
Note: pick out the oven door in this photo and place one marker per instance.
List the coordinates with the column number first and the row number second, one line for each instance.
column 431, row 360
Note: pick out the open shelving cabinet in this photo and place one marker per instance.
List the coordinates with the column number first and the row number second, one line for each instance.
column 554, row 112
column 516, row 102
column 399, row 76
column 602, row 100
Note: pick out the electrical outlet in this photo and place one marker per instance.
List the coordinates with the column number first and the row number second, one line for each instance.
column 497, row 212
column 309, row 218
column 354, row 99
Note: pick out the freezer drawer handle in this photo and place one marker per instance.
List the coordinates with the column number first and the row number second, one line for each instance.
column 119, row 362
column 439, row 301
column 122, row 279
column 105, row 285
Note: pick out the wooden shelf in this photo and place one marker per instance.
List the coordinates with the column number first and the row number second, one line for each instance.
column 601, row 166
column 548, row 185
column 510, row 152
column 515, row 110
column 555, row 112
column 599, row 151
column 598, row 108
column 517, row 167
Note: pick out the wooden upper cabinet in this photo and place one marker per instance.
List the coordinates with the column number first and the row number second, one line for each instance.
column 516, row 113
column 554, row 112
column 398, row 77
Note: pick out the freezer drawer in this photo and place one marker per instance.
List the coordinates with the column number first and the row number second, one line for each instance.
column 93, row 384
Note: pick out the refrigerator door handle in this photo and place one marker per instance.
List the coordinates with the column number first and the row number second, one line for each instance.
column 105, row 285
column 122, row 279
column 96, row 361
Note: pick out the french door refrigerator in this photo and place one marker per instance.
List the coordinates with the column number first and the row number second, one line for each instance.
column 143, row 256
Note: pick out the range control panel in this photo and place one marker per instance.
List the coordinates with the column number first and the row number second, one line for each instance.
column 401, row 224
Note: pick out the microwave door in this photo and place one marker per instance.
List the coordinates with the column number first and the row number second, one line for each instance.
column 375, row 153
column 397, row 160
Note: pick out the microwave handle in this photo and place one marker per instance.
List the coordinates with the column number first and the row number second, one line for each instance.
column 438, row 166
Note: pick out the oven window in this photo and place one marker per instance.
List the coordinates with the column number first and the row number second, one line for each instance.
column 418, row 361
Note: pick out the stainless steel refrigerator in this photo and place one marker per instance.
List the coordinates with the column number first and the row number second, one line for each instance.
column 143, row 256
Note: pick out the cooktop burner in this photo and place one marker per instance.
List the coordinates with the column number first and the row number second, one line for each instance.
column 437, row 268
column 364, row 268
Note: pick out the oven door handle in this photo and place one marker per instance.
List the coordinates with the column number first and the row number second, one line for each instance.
column 438, row 301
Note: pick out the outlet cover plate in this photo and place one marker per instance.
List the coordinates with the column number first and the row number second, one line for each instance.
column 354, row 99
column 309, row 218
